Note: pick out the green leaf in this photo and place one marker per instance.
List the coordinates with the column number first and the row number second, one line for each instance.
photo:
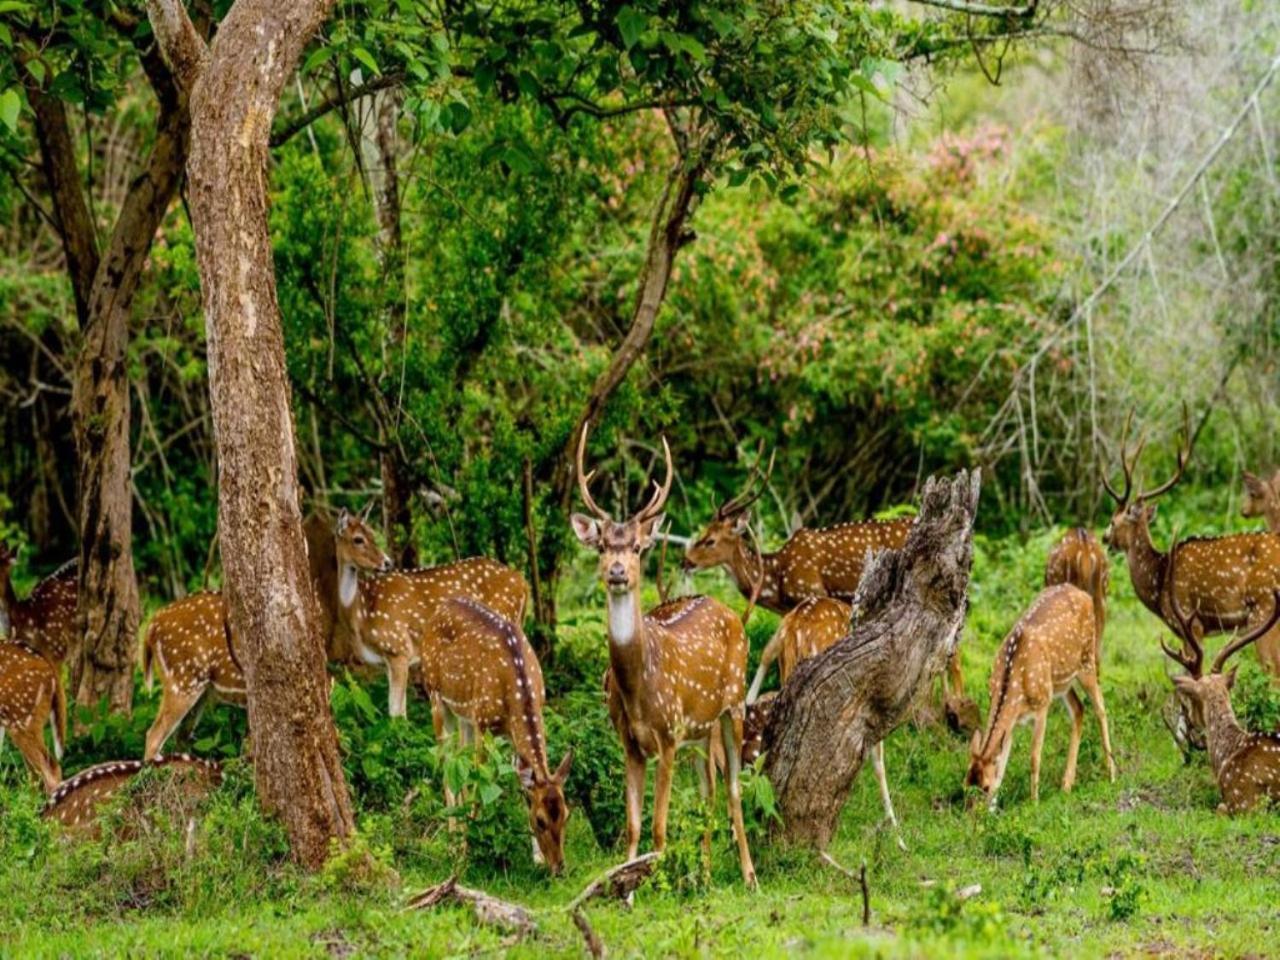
column 489, row 793
column 319, row 56
column 10, row 106
column 631, row 23
column 36, row 69
column 459, row 116
column 365, row 57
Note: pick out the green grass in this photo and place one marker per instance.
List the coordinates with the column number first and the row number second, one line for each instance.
column 1138, row 867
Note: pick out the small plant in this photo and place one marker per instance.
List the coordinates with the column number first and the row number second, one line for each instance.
column 945, row 912
column 595, row 786
column 358, row 867
column 685, row 867
column 759, row 805
column 1128, row 892
column 493, row 818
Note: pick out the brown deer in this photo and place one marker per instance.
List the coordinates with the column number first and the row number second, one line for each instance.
column 190, row 639
column 30, row 696
column 1079, row 559
column 675, row 674
column 812, row 563
column 1052, row 647
column 483, row 677
column 1229, row 580
column 1246, row 765
column 46, row 620
column 813, row 626
column 1262, row 499
column 385, row 615
column 76, row 802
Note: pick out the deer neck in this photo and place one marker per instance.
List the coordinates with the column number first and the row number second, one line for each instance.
column 746, row 565
column 350, row 602
column 1272, row 513
column 1224, row 735
column 324, row 571
column 1146, row 569
column 627, row 654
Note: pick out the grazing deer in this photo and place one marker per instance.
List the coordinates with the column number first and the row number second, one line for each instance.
column 675, row 673
column 1262, row 499
column 813, row 626
column 483, row 677
column 75, row 802
column 1246, row 765
column 30, row 696
column 46, row 620
column 190, row 639
column 1229, row 580
column 385, row 615
column 1079, row 559
column 1052, row 646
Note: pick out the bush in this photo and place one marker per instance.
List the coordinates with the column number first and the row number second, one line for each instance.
column 595, row 786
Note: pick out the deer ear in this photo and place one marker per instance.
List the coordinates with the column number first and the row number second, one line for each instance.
column 1151, row 512
column 525, row 772
column 344, row 518
column 1184, row 683
column 1230, row 677
column 741, row 522
column 650, row 528
column 562, row 771
column 1254, row 484
column 586, row 529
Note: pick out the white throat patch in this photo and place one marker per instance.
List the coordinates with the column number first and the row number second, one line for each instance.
column 622, row 618
column 348, row 584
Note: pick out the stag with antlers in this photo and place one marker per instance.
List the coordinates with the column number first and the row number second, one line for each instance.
column 1246, row 765
column 1051, row 648
column 1228, row 580
column 46, row 620
column 676, row 674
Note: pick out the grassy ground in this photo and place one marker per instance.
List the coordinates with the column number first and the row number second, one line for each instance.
column 1142, row 866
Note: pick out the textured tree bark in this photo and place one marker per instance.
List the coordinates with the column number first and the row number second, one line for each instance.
column 104, row 288
column 234, row 90
column 909, row 611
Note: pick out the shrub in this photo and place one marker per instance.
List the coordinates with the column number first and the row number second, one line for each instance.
column 595, row 785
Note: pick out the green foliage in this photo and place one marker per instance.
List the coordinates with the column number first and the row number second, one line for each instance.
column 1255, row 698
column 595, row 789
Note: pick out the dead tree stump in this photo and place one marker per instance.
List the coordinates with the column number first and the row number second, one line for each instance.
column 908, row 614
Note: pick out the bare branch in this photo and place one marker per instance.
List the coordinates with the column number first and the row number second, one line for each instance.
column 338, row 99
column 181, row 45
column 980, row 9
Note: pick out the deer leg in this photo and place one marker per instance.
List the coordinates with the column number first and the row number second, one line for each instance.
column 877, row 763
column 1268, row 647
column 953, row 682
column 662, row 794
column 1092, row 687
column 1001, row 764
column 767, row 658
column 174, row 705
column 635, row 801
column 1072, row 700
column 398, row 679
column 1037, row 746
column 731, row 734
column 706, row 766
column 30, row 744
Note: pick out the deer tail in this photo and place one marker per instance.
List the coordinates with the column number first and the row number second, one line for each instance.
column 58, row 722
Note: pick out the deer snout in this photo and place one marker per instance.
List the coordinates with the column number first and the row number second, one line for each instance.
column 387, row 564
column 616, row 574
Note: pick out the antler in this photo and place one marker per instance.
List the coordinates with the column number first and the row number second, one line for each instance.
column 1239, row 643
column 660, row 493
column 584, row 478
column 1184, row 455
column 748, row 496
column 1122, row 499
column 1191, row 656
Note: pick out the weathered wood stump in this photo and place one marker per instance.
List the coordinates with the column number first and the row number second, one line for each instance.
column 908, row 615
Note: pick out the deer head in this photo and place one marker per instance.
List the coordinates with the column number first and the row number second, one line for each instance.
column 620, row 545
column 548, row 811
column 1133, row 514
column 731, row 522
column 355, row 549
column 1261, row 497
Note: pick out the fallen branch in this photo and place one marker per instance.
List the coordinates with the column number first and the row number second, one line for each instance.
column 489, row 911
column 620, row 881
column 860, row 877
column 595, row 946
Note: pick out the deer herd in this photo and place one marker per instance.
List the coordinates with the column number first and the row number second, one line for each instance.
column 677, row 673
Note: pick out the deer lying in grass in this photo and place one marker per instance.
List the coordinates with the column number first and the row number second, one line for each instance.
column 1052, row 646
column 31, row 696
column 1246, row 765
column 1262, row 499
column 46, row 620
column 1079, row 559
column 190, row 639
column 677, row 674
column 813, row 626
column 482, row 676
column 76, row 802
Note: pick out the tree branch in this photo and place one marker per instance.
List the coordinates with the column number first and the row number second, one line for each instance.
column 308, row 117
column 179, row 42
column 981, row 9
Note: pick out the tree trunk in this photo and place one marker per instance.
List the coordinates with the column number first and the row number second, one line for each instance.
column 235, row 88
column 910, row 609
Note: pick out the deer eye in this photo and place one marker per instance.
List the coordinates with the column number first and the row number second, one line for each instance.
column 358, row 540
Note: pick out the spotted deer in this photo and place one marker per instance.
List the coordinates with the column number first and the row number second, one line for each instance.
column 1228, row 580
column 190, row 639
column 1262, row 499
column 76, row 803
column 810, row 628
column 1079, row 559
column 31, row 695
column 482, row 676
column 1245, row 765
column 385, row 615
column 46, row 620
column 1052, row 647
column 676, row 674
